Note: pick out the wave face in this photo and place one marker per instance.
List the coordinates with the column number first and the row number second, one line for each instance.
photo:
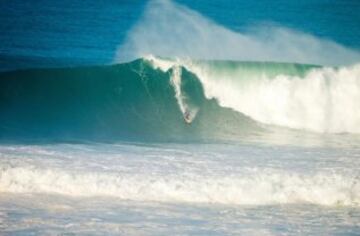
column 126, row 101
column 162, row 99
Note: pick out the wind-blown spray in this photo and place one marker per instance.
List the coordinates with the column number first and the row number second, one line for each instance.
column 169, row 29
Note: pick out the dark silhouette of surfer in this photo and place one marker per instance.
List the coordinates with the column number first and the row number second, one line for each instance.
column 187, row 117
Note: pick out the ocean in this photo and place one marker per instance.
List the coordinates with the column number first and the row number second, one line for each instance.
column 180, row 117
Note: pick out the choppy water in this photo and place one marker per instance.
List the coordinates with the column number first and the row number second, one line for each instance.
column 179, row 189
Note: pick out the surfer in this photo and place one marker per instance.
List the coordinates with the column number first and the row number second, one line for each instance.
column 187, row 117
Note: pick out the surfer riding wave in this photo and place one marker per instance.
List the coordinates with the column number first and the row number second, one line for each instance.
column 187, row 117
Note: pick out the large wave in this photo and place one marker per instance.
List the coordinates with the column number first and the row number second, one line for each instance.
column 126, row 101
column 214, row 89
column 156, row 99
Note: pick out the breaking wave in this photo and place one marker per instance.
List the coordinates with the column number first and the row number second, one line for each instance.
column 253, row 187
column 157, row 98
column 319, row 99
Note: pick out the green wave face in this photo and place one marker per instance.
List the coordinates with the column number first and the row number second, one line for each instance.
column 255, row 70
column 131, row 101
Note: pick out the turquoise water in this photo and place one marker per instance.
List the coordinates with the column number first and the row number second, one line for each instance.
column 130, row 101
column 180, row 118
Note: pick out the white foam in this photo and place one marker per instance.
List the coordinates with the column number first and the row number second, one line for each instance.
column 161, row 64
column 325, row 100
column 258, row 186
column 189, row 111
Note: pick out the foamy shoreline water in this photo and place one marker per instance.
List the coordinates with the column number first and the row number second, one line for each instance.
column 144, row 189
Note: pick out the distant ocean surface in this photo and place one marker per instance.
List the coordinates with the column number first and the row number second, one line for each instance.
column 180, row 117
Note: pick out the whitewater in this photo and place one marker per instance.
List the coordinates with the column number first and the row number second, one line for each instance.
column 193, row 128
column 323, row 100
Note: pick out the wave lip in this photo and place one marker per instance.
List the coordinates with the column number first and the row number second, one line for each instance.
column 257, row 187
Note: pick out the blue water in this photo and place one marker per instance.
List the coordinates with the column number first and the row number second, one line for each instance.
column 68, row 33
column 236, row 118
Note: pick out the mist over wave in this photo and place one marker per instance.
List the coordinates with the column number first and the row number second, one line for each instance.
column 169, row 29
